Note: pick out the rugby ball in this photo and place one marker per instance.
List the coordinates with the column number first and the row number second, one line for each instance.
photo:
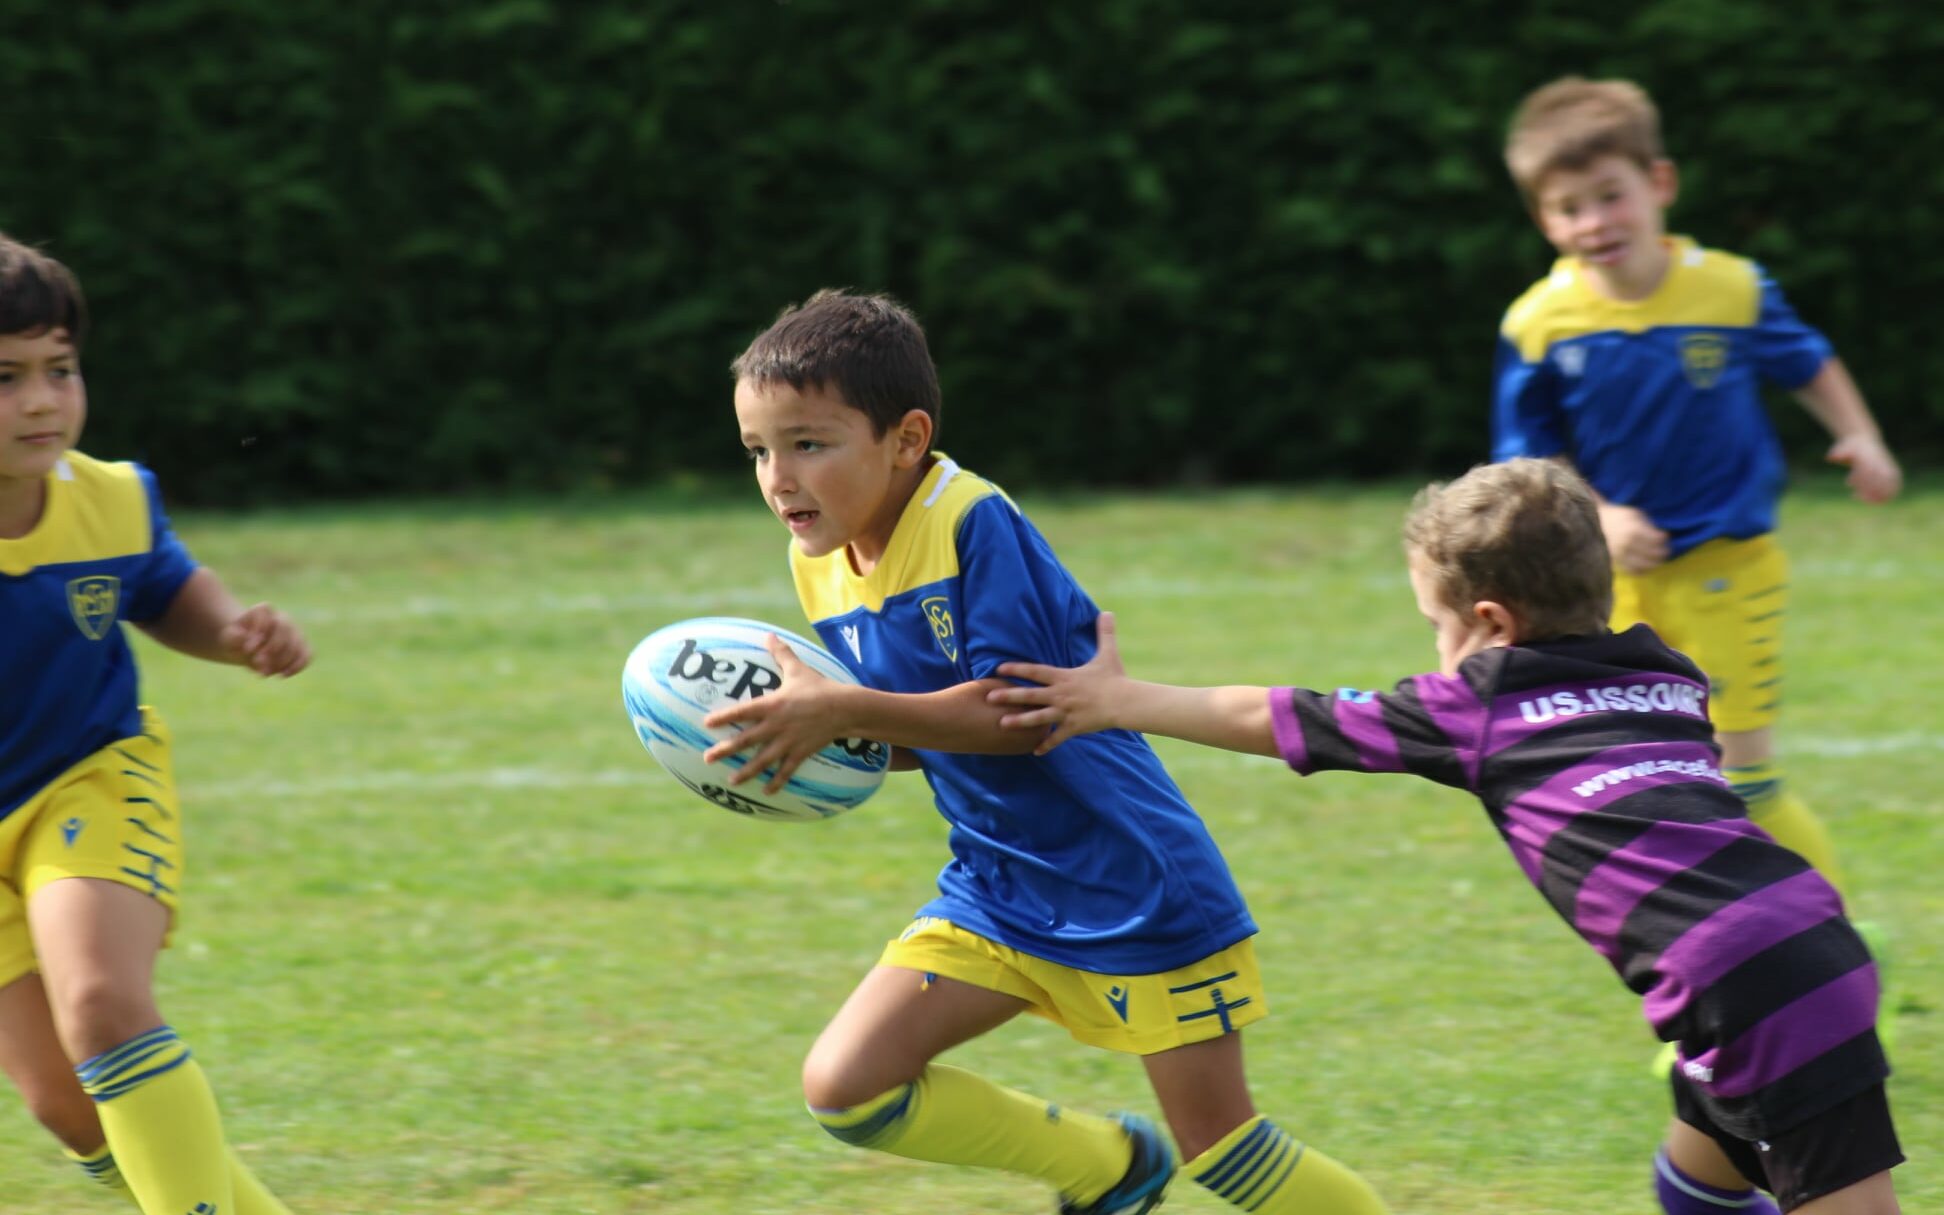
column 680, row 674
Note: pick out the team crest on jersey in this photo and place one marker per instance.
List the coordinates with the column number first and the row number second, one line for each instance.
column 1704, row 356
column 938, row 614
column 1571, row 359
column 92, row 603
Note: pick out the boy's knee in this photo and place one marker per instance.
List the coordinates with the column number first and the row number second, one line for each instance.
column 833, row 1082
column 836, row 1076
column 99, row 1014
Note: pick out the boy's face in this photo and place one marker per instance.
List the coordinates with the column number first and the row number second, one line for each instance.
column 1460, row 634
column 1609, row 215
column 825, row 475
column 42, row 403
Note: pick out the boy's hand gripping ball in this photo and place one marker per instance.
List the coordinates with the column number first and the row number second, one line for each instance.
column 679, row 674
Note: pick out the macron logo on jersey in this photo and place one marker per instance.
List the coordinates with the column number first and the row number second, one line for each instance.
column 850, row 639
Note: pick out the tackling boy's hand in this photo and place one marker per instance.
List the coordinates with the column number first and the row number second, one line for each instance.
column 1074, row 700
column 1636, row 544
column 265, row 640
column 789, row 725
column 1873, row 472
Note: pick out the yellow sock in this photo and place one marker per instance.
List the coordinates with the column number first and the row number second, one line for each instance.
column 1778, row 811
column 99, row 1165
column 951, row 1116
column 251, row 1196
column 1260, row 1168
column 162, row 1125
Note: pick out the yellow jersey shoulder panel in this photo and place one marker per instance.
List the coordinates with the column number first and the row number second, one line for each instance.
column 1703, row 287
column 94, row 510
column 923, row 548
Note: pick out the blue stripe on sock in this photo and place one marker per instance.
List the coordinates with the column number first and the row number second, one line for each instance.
column 872, row 1128
column 132, row 1064
column 1240, row 1161
column 1272, row 1174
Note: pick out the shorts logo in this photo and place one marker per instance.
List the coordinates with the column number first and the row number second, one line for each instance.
column 938, row 613
column 1356, row 696
column 92, row 603
column 71, row 830
column 1117, row 997
column 1704, row 356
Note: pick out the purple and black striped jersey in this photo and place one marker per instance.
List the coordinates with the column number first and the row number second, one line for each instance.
column 1596, row 761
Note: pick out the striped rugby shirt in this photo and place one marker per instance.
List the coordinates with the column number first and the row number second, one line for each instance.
column 1596, row 761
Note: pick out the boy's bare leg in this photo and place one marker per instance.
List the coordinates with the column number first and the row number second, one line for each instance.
column 871, row 1082
column 31, row 1055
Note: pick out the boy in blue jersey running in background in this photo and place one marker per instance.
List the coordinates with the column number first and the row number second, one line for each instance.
column 1640, row 359
column 1082, row 887
column 90, row 827
column 1592, row 753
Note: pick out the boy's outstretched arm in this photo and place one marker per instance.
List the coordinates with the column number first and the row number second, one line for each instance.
column 1835, row 401
column 205, row 621
column 1100, row 696
column 808, row 712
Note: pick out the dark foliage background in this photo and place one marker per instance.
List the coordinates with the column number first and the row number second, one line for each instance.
column 376, row 248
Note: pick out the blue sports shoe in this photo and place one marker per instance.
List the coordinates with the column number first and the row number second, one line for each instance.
column 1145, row 1183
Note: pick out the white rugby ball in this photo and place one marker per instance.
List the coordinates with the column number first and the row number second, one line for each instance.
column 680, row 674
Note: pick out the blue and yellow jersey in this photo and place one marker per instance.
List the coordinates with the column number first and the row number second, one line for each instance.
column 1658, row 401
column 102, row 553
column 1089, row 856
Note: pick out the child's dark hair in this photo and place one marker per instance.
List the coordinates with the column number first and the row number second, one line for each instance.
column 867, row 349
column 1525, row 533
column 38, row 293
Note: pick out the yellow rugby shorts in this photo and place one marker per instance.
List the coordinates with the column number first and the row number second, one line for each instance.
column 113, row 816
column 1136, row 1014
column 1722, row 604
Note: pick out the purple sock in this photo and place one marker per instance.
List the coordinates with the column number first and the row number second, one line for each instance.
column 1681, row 1194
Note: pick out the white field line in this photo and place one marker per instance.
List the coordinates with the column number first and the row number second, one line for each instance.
column 491, row 779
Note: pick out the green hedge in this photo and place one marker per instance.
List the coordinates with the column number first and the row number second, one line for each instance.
column 408, row 248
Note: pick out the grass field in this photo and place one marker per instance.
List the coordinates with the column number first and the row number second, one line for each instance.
column 454, row 944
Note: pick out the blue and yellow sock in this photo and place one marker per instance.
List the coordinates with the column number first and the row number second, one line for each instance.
column 950, row 1116
column 162, row 1125
column 99, row 1165
column 1778, row 811
column 1258, row 1167
column 252, row 1198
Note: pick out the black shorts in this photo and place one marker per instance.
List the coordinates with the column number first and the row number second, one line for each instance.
column 1839, row 1147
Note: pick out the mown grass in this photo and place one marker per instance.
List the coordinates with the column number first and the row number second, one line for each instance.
column 454, row 944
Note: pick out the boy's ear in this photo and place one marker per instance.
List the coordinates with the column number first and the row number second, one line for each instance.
column 1500, row 622
column 1666, row 181
column 914, row 436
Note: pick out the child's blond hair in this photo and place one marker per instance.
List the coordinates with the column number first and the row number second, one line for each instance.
column 1573, row 121
column 1525, row 534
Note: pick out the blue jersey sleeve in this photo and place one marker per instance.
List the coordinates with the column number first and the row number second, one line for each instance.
column 1017, row 602
column 1788, row 351
column 1526, row 417
column 165, row 567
